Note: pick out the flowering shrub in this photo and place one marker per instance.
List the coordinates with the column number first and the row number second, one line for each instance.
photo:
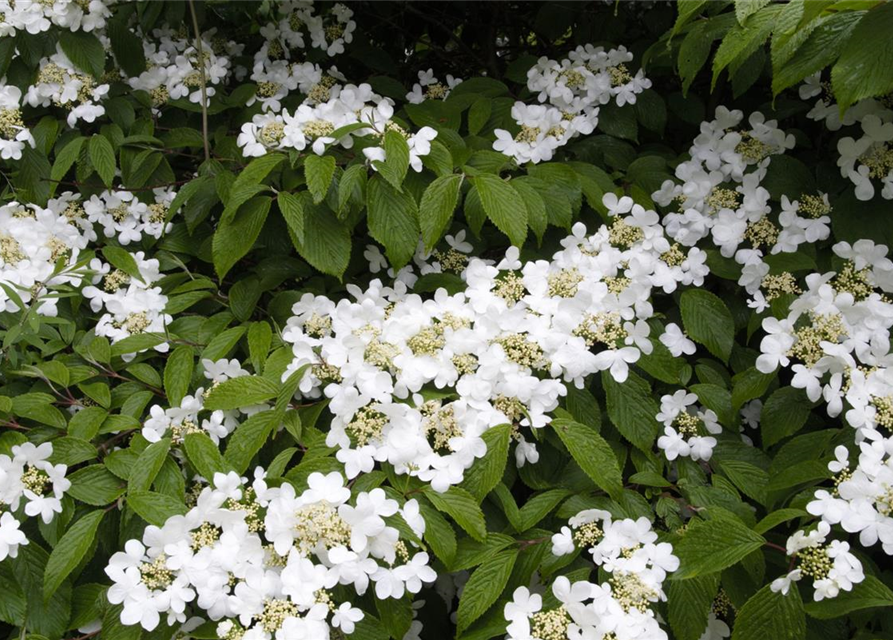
column 380, row 321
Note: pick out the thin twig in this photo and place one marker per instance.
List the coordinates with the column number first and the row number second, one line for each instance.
column 201, row 58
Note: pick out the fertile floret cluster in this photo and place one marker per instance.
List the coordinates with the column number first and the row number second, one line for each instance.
column 29, row 476
column 627, row 550
column 570, row 93
column 416, row 382
column 264, row 561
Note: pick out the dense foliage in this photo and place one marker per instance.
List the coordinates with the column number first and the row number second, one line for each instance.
column 426, row 320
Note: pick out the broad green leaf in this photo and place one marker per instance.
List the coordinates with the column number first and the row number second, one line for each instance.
column 239, row 392
column 437, row 206
column 865, row 66
column 783, row 414
column 746, row 8
column 503, row 205
column 69, row 551
column 485, row 586
column 462, row 507
column 293, row 212
column 326, row 244
column 155, row 508
column 95, row 485
column 127, row 47
column 147, row 466
column 632, row 409
column 712, row 545
column 249, row 437
column 319, row 171
column 178, row 373
column 486, row 472
column 592, row 453
column 771, row 615
column 234, row 239
column 393, row 219
column 396, row 162
column 821, row 48
column 708, row 321
column 689, row 603
column 102, row 155
column 205, row 456
column 865, row 595
column 85, row 50
column 439, row 534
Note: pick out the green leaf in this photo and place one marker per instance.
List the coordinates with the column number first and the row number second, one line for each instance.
column 632, row 409
column 708, row 321
column 462, row 507
column 771, row 615
column 686, row 10
column 249, row 437
column 689, row 603
column 592, row 453
column 234, row 239
column 396, row 162
column 865, row 66
column 205, row 456
column 85, row 50
column 396, row 615
column 485, row 586
column 326, row 244
column 260, row 337
column 865, row 595
column 821, row 48
column 155, row 508
column 65, row 159
column 94, row 485
column 239, row 392
column 178, row 373
column 102, row 155
column 437, row 206
column 539, row 506
column 319, row 171
column 777, row 517
column 783, row 414
column 393, row 220
column 69, row 551
column 486, row 472
column 712, row 545
column 293, row 212
column 439, row 534
column 479, row 114
column 147, row 466
column 745, row 8
column 503, row 205
column 741, row 41
column 127, row 47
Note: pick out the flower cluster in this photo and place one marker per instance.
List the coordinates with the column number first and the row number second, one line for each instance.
column 430, row 88
column 264, row 561
column 622, row 606
column 570, row 93
column 14, row 135
column 176, row 68
column 686, row 427
column 131, row 304
column 39, row 249
column 177, row 422
column 124, row 217
column 28, row 475
column 496, row 353
column 33, row 16
column 831, row 566
column 60, row 83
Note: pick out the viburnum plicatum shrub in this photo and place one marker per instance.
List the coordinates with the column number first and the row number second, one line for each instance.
column 381, row 320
